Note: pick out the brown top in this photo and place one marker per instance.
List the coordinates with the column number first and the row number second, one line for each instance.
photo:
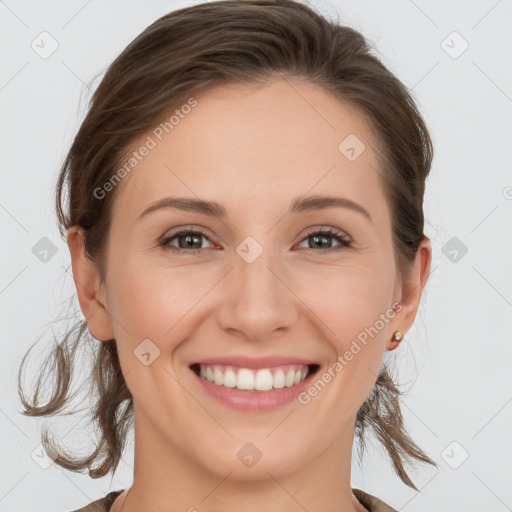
column 372, row 503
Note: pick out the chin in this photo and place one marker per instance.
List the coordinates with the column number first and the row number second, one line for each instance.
column 248, row 463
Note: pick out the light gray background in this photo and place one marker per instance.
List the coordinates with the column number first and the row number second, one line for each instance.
column 456, row 359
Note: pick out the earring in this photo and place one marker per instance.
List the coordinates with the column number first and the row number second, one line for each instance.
column 397, row 336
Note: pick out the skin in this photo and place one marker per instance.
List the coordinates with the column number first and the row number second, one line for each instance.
column 253, row 150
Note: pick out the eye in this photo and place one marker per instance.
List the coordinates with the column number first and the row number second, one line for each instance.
column 320, row 235
column 189, row 240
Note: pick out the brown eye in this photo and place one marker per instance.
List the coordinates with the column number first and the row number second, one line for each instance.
column 188, row 240
column 321, row 238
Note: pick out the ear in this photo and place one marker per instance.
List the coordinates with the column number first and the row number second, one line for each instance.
column 88, row 287
column 411, row 290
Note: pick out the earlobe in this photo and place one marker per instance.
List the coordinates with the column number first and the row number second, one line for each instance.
column 88, row 287
column 411, row 291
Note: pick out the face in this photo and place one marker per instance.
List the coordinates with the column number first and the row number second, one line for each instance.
column 259, row 281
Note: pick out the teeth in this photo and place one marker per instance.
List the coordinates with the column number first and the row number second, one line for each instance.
column 229, row 379
column 264, row 379
column 278, row 380
column 217, row 376
column 245, row 379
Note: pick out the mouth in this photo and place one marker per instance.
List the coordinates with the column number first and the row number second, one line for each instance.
column 255, row 379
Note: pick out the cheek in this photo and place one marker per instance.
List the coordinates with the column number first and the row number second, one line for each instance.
column 351, row 300
column 355, row 305
column 149, row 301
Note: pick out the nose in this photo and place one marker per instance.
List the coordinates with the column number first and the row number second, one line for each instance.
column 256, row 301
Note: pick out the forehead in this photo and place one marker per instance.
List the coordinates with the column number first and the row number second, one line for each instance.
column 248, row 146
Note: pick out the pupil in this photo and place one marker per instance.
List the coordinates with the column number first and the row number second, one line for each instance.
column 317, row 237
column 188, row 242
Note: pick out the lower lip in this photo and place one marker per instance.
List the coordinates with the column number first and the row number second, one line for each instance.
column 258, row 401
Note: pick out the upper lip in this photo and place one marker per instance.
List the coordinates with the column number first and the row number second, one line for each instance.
column 255, row 362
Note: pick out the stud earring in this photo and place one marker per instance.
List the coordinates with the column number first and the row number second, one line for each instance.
column 397, row 336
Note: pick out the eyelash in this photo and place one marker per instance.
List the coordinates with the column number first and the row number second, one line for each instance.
column 345, row 242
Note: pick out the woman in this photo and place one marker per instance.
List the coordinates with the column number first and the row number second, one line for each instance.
column 244, row 217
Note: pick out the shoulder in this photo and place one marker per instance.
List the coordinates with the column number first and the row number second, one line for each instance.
column 372, row 503
column 102, row 504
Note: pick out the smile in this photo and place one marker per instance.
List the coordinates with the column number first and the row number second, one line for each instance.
column 263, row 379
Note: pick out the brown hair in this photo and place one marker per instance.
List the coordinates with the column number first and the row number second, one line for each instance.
column 186, row 51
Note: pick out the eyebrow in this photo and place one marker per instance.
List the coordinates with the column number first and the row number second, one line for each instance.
column 211, row 208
